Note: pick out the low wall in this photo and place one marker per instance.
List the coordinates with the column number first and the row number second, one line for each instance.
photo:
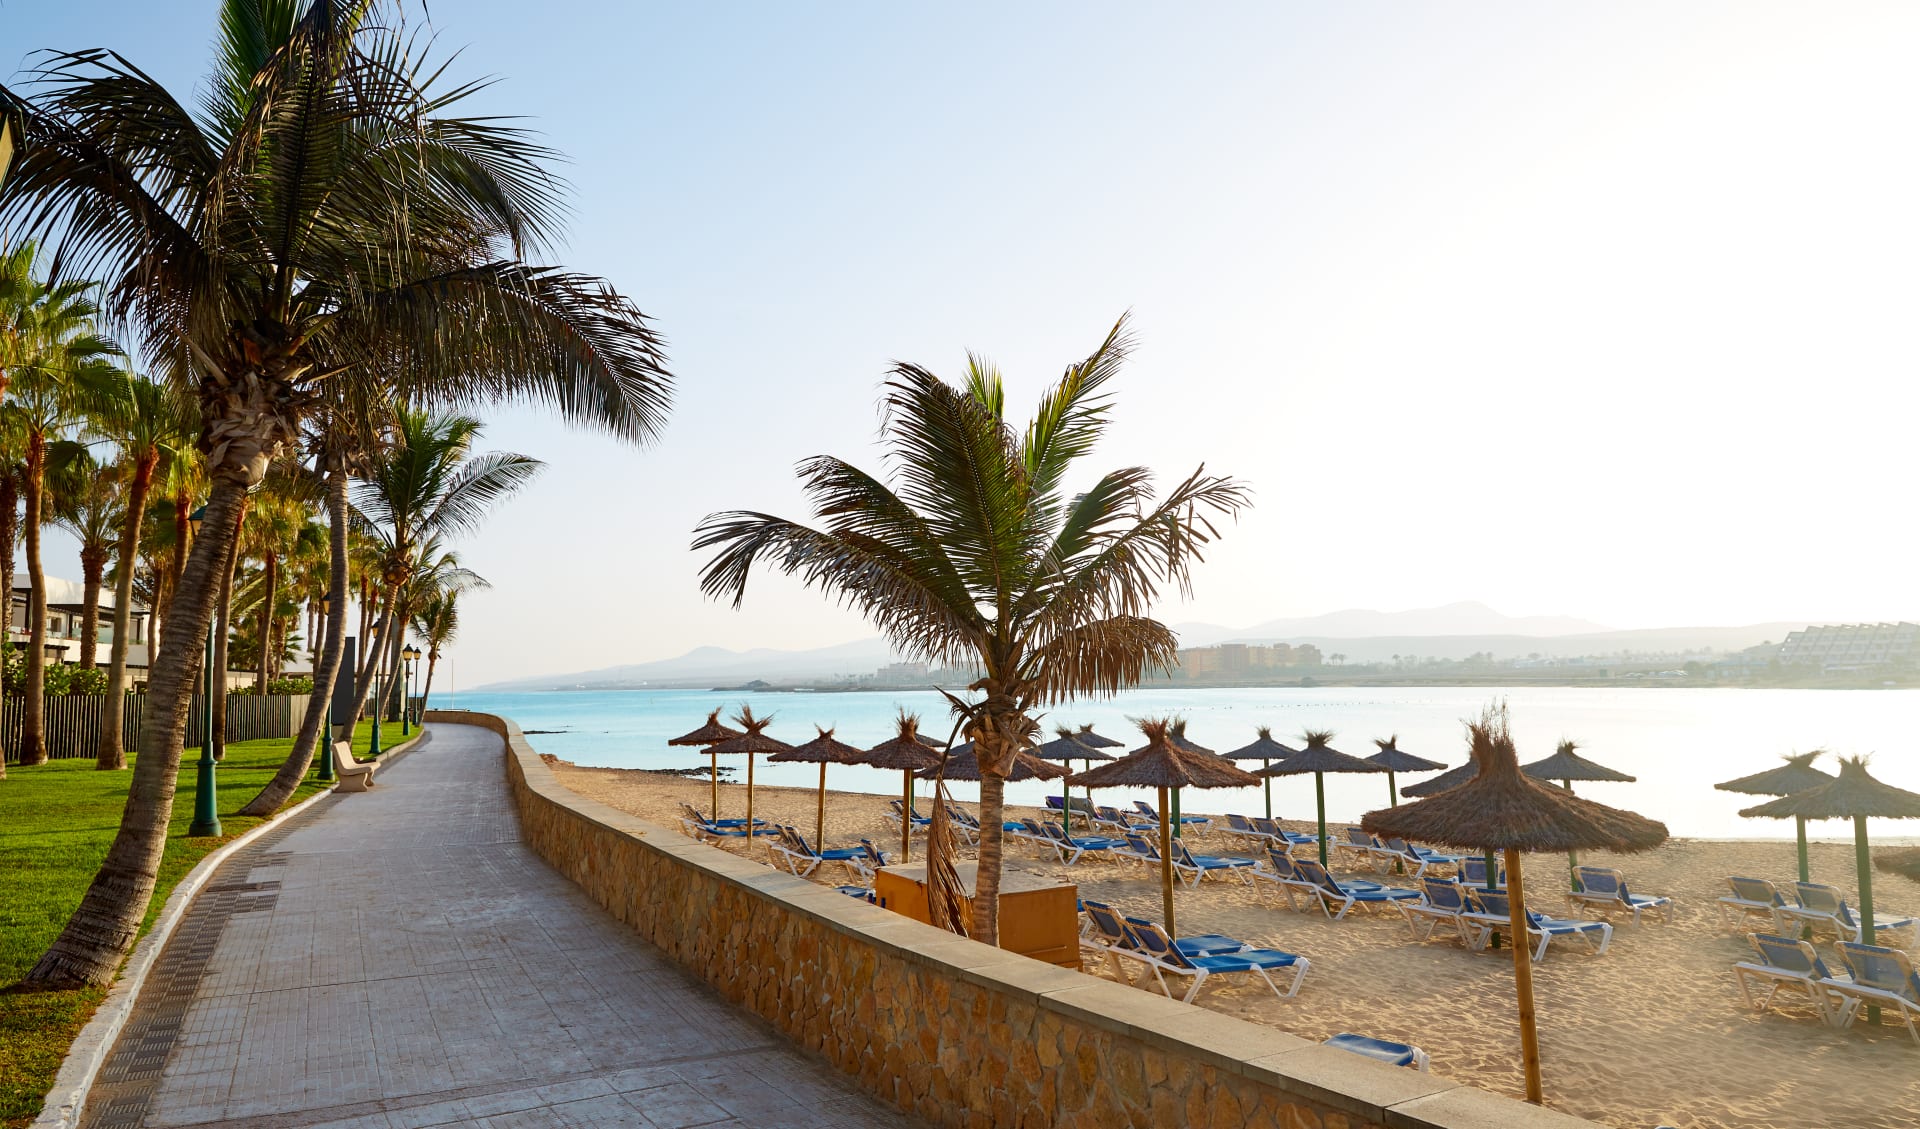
column 952, row 1031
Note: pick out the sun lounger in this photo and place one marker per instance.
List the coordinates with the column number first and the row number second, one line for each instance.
column 896, row 811
column 1146, row 811
column 355, row 776
column 1361, row 848
column 1824, row 909
column 1380, row 1050
column 1882, row 977
column 1113, row 819
column 697, row 826
column 1347, row 895
column 1072, row 849
column 1203, row 865
column 872, row 858
column 1419, row 858
column 1473, row 872
column 1279, row 871
column 1604, row 888
column 1272, row 830
column 1493, row 913
column 803, row 859
column 1105, row 935
column 1752, row 897
column 1442, row 903
column 1787, row 962
column 1076, row 805
column 1164, row 957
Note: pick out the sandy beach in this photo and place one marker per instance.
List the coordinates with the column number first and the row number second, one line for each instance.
column 1653, row 1032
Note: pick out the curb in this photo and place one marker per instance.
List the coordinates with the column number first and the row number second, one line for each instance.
column 67, row 1098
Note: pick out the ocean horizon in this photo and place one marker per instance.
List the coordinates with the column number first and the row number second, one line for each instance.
column 1678, row 742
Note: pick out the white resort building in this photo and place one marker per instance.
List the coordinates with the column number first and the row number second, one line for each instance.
column 65, row 606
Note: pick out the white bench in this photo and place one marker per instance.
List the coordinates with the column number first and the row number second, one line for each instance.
column 355, row 776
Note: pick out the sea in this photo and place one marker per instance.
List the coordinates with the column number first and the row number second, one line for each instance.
column 1677, row 741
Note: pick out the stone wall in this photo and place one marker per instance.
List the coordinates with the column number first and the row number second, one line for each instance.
column 952, row 1031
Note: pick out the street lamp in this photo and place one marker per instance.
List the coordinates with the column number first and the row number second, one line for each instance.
column 373, row 746
column 409, row 654
column 206, row 810
column 326, row 743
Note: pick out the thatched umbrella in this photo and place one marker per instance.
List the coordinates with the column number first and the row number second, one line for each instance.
column 1503, row 809
column 1320, row 758
column 1162, row 764
column 1852, row 795
column 1797, row 775
column 1266, row 750
column 906, row 752
column 1566, row 765
column 1452, row 778
column 1086, row 736
column 1395, row 759
column 823, row 751
column 751, row 742
column 1905, row 861
column 961, row 764
column 710, row 734
column 1067, row 746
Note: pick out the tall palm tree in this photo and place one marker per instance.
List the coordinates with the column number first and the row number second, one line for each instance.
column 436, row 620
column 55, row 356
column 89, row 503
column 972, row 552
column 153, row 426
column 323, row 212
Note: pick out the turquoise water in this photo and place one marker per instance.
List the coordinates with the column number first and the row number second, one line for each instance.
column 1677, row 741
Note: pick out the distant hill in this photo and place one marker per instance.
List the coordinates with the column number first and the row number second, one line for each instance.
column 1450, row 632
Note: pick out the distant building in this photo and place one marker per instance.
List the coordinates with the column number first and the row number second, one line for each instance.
column 1852, row 646
column 65, row 606
column 1238, row 659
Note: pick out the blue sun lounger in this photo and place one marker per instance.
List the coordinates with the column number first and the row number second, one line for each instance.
column 1107, row 938
column 1071, row 849
column 1442, row 903
column 1882, row 977
column 1787, row 962
column 1146, row 811
column 1494, row 913
column 1605, row 888
column 1824, row 909
column 1752, row 897
column 1202, row 865
column 1348, row 894
column 1164, row 956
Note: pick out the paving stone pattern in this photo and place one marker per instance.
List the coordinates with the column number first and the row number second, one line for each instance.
column 398, row 959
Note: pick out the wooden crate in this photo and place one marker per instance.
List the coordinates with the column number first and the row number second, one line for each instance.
column 1039, row 918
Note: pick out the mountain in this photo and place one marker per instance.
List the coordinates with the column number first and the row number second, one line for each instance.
column 717, row 664
column 1465, row 618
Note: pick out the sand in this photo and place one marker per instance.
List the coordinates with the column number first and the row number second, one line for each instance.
column 1653, row 1032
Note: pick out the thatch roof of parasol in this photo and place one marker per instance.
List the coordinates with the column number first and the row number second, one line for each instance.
column 1065, row 747
column 1501, row 808
column 1162, row 764
column 1797, row 775
column 821, row 750
column 1854, row 792
column 1086, row 736
column 1565, row 764
column 1319, row 756
column 965, row 766
column 1177, row 733
column 754, row 740
column 1263, row 748
column 1452, row 778
column 712, row 733
column 1392, row 756
column 905, row 751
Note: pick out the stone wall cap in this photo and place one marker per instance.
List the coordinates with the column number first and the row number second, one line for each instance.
column 1114, row 1007
column 1234, row 1044
column 1347, row 1081
column 1464, row 1107
column 1024, row 976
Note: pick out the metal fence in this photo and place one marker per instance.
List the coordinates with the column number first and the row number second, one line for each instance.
column 73, row 721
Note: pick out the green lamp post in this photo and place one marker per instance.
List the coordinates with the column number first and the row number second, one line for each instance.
column 325, row 753
column 408, row 655
column 373, row 746
column 206, row 808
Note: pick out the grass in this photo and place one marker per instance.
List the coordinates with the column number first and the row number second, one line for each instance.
column 56, row 821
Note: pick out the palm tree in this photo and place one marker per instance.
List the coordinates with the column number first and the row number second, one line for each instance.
column 324, row 213
column 973, row 553
column 436, row 620
column 152, row 424
column 54, row 358
column 88, row 503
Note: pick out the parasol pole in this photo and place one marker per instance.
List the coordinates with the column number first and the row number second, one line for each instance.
column 1800, row 830
column 1523, row 975
column 820, row 813
column 1166, row 862
column 1573, row 856
column 906, row 818
column 1864, row 863
column 749, row 801
column 1085, row 766
column 714, row 775
column 1320, row 803
column 1264, row 766
column 1393, row 793
column 1176, row 812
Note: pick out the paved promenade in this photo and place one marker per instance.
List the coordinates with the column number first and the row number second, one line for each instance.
column 397, row 959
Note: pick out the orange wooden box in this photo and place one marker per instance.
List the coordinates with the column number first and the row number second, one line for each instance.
column 1039, row 918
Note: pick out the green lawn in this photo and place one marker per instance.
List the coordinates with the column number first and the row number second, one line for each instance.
column 56, row 821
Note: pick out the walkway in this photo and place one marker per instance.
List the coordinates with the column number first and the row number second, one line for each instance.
column 397, row 960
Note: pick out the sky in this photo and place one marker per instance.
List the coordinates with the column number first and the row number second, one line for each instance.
column 1599, row 311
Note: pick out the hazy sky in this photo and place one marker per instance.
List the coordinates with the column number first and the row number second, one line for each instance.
column 1601, row 310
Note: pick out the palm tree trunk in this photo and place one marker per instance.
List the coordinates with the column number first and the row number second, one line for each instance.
column 93, row 568
column 9, row 532
column 269, row 561
column 217, row 687
column 103, row 928
column 33, row 737
column 294, row 769
column 426, row 688
column 113, row 753
column 374, row 655
column 392, row 689
column 366, row 622
column 986, row 885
